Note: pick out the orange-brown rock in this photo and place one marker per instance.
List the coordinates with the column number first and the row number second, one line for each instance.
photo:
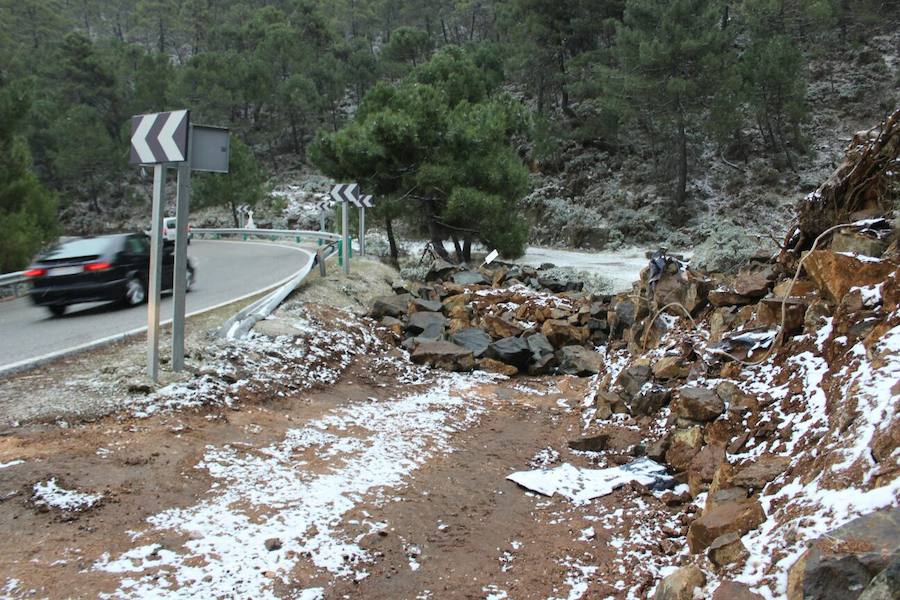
column 739, row 516
column 703, row 468
column 561, row 333
column 495, row 366
column 499, row 328
column 681, row 584
column 834, row 273
column 730, row 590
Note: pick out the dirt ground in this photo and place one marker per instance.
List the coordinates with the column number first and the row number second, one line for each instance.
column 453, row 528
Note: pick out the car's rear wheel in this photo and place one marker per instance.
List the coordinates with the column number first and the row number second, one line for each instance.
column 135, row 292
column 57, row 310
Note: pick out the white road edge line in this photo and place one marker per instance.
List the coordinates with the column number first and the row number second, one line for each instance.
column 9, row 369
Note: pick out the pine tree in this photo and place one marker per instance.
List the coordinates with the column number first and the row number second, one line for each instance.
column 27, row 209
column 674, row 58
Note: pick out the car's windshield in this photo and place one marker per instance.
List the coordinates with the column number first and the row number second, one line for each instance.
column 79, row 247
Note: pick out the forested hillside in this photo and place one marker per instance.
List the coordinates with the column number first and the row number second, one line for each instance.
column 632, row 120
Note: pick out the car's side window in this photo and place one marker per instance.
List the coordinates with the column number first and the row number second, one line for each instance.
column 137, row 245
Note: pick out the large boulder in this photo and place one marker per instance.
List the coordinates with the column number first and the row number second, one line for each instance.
column 684, row 445
column 633, row 378
column 739, row 516
column 671, row 367
column 578, row 360
column 512, row 351
column 834, row 274
column 681, row 584
column 390, row 306
column 727, row 550
column 841, row 564
column 444, row 355
column 473, row 338
column 562, row 333
column 699, row 404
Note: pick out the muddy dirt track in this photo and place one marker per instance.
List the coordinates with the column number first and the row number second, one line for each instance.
column 364, row 488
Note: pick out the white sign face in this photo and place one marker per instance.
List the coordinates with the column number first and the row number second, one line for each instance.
column 491, row 257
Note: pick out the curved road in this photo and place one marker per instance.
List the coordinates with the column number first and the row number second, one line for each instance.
column 226, row 271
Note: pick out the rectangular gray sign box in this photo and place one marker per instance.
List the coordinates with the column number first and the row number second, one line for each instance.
column 210, row 149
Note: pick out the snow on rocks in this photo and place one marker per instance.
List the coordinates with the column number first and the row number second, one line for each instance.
column 358, row 452
column 323, row 344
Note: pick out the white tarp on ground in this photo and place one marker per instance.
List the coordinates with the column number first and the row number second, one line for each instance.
column 581, row 485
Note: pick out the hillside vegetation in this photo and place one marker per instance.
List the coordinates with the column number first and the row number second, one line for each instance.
column 637, row 119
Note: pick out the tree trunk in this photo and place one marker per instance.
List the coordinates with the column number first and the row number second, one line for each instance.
column 392, row 241
column 434, row 231
column 681, row 185
column 457, row 248
column 467, row 249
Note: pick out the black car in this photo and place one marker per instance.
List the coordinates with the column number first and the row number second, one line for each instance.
column 98, row 269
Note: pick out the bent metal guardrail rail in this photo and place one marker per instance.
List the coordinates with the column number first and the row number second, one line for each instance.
column 272, row 234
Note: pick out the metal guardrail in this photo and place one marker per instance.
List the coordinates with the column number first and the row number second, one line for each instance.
column 272, row 234
column 15, row 280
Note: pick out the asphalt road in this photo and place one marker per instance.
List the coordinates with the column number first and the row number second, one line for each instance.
column 225, row 271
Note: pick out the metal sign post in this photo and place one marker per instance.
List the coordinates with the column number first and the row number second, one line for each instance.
column 345, row 194
column 179, row 286
column 163, row 139
column 364, row 203
column 155, row 274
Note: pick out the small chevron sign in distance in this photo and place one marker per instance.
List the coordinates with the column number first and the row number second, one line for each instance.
column 346, row 192
column 367, row 201
column 160, row 137
column 323, row 204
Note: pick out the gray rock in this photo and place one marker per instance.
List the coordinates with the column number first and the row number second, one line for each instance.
column 421, row 305
column 512, row 351
column 543, row 366
column 472, row 338
column 848, row 560
column 648, row 402
column 633, row 378
column 470, row 278
column 444, row 355
column 439, row 270
column 885, row 585
column 390, row 306
column 578, row 360
column 539, row 345
column 420, row 321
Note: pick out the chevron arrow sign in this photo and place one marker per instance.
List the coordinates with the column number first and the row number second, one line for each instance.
column 160, row 137
column 346, row 192
column 367, row 201
column 323, row 204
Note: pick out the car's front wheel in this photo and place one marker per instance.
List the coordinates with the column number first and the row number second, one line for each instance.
column 135, row 292
column 57, row 310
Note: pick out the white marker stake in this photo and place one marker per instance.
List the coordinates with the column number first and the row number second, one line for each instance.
column 362, row 230
column 490, row 258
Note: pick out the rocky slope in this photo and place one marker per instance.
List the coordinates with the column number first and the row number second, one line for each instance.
column 771, row 395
